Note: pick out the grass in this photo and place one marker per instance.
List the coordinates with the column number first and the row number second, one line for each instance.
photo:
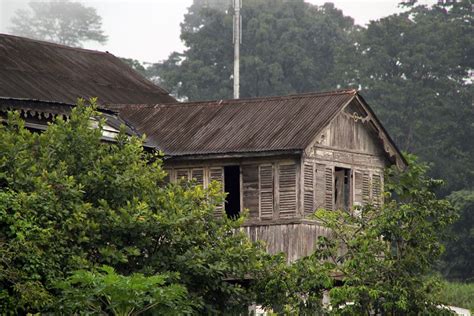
column 458, row 294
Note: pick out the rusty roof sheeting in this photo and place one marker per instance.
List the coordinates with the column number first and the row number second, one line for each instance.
column 37, row 70
column 237, row 126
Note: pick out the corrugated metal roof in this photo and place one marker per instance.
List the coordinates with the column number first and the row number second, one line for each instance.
column 236, row 126
column 36, row 70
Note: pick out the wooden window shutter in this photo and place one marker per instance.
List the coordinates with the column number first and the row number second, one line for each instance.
column 167, row 178
column 287, row 190
column 376, row 190
column 217, row 174
column 365, row 188
column 329, row 194
column 308, row 175
column 198, row 175
column 182, row 174
column 320, row 185
column 250, row 189
column 266, row 191
column 361, row 187
column 358, row 187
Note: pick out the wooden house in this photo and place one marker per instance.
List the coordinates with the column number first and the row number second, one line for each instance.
column 279, row 157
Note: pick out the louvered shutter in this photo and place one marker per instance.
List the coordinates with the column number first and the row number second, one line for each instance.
column 198, row 175
column 320, row 186
column 250, row 189
column 358, row 199
column 362, row 187
column 365, row 188
column 167, row 177
column 376, row 190
column 266, row 191
column 217, row 174
column 308, row 175
column 182, row 174
column 329, row 194
column 287, row 190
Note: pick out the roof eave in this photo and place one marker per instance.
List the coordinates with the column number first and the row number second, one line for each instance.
column 230, row 155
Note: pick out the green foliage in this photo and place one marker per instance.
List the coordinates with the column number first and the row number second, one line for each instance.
column 63, row 21
column 288, row 46
column 458, row 294
column 135, row 65
column 106, row 291
column 458, row 261
column 413, row 68
column 70, row 202
column 382, row 259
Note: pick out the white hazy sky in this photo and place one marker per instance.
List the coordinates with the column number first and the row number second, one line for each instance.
column 148, row 30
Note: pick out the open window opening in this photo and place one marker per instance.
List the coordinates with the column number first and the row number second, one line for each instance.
column 342, row 186
column 232, row 188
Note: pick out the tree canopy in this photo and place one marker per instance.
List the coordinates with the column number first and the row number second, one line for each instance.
column 288, row 46
column 61, row 21
column 78, row 213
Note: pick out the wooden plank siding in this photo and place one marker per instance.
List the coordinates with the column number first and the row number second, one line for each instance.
column 296, row 239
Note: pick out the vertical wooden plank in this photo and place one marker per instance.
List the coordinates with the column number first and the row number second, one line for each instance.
column 250, row 189
column 197, row 174
column 167, row 178
column 365, row 188
column 287, row 190
column 217, row 174
column 358, row 183
column 329, row 194
column 266, row 191
column 182, row 174
column 308, row 181
column 320, row 186
column 376, row 190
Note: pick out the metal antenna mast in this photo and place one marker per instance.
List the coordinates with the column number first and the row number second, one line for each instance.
column 237, row 38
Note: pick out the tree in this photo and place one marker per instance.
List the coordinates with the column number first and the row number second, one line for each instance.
column 60, row 21
column 288, row 47
column 458, row 261
column 70, row 204
column 382, row 258
column 135, row 65
column 413, row 68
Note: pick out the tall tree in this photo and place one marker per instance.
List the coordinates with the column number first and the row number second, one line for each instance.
column 458, row 261
column 60, row 21
column 414, row 69
column 288, row 47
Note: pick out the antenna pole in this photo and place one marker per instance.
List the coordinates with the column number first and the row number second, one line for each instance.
column 237, row 40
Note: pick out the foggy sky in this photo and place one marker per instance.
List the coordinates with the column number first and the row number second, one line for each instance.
column 148, row 30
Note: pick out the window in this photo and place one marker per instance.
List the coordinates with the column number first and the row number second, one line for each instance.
column 342, row 188
column 232, row 188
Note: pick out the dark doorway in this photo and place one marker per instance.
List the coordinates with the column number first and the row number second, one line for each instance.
column 342, row 185
column 232, row 188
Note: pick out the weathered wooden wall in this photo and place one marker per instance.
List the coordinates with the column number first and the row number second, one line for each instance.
column 350, row 141
column 295, row 238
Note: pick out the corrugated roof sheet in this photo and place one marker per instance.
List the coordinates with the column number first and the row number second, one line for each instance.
column 236, row 126
column 36, row 70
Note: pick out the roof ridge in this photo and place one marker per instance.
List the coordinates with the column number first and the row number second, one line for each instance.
column 245, row 100
column 43, row 42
